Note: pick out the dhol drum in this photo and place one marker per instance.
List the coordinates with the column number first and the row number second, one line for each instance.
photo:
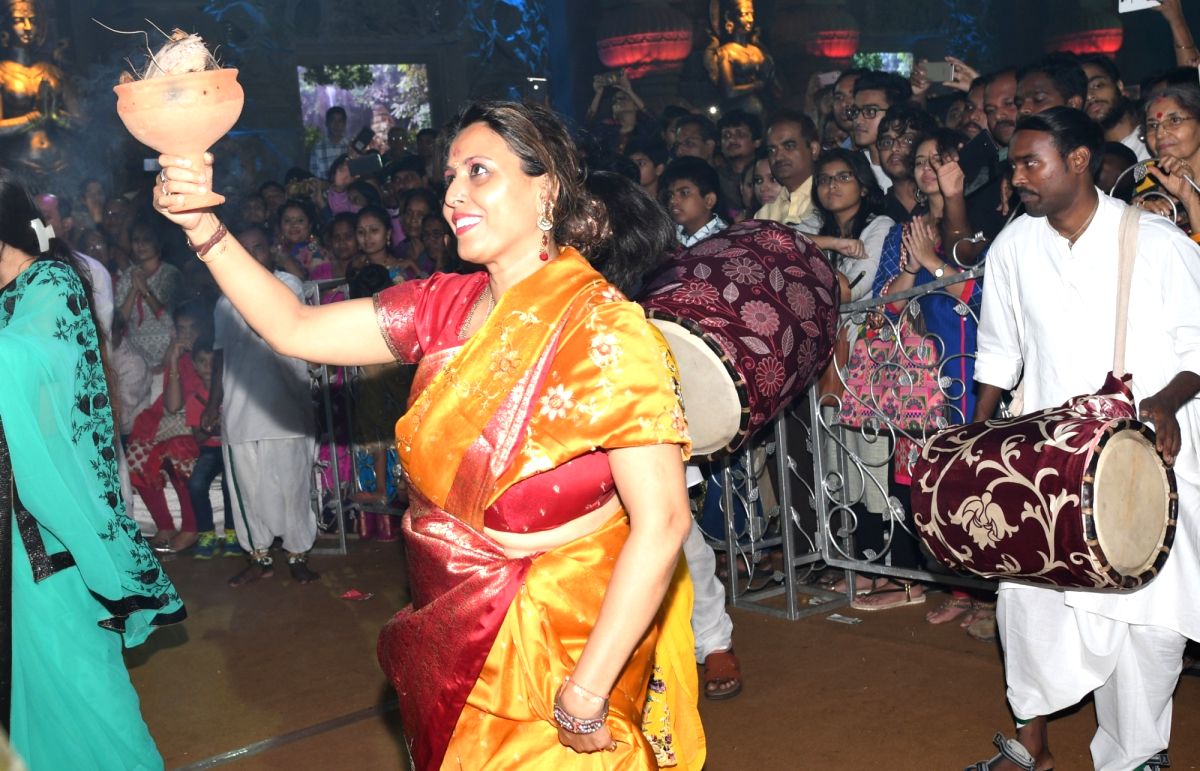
column 1074, row 496
column 750, row 314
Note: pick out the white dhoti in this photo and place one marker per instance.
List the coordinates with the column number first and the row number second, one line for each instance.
column 1049, row 314
column 1055, row 655
column 271, row 483
column 1126, row 647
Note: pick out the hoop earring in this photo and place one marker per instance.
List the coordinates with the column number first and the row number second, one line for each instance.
column 545, row 224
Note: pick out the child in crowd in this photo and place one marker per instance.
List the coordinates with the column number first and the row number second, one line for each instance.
column 208, row 465
column 161, row 443
column 381, row 398
column 692, row 194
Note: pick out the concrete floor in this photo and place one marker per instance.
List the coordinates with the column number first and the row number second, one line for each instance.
column 296, row 664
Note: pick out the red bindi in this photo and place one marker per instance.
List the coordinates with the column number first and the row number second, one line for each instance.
column 1158, row 115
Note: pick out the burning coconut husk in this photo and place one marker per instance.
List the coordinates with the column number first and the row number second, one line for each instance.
column 182, row 53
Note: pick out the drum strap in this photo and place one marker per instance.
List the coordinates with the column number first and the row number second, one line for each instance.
column 1127, row 245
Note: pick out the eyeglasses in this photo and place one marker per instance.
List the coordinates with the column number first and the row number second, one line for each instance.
column 869, row 112
column 842, row 178
column 1170, row 123
column 887, row 143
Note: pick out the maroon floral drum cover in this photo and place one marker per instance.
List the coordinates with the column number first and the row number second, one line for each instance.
column 1074, row 496
column 751, row 314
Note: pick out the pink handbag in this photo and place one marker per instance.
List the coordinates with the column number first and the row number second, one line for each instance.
column 895, row 380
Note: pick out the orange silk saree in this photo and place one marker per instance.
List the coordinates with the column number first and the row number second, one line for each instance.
column 563, row 366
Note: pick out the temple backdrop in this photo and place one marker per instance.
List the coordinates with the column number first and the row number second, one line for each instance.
column 476, row 48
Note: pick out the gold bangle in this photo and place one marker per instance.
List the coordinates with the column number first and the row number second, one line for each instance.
column 1186, row 47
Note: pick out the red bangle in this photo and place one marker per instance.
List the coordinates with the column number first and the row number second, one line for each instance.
column 205, row 247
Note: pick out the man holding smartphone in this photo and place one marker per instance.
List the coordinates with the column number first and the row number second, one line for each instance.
column 330, row 146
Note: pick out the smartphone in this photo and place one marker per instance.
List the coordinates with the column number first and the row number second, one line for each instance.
column 828, row 78
column 1128, row 6
column 979, row 160
column 939, row 72
column 363, row 139
column 365, row 165
column 150, row 164
column 1144, row 183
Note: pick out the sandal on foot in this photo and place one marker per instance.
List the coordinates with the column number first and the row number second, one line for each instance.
column 262, row 567
column 183, row 540
column 298, row 565
column 301, row 572
column 890, row 597
column 1011, row 750
column 161, row 542
column 722, row 675
column 859, row 591
column 950, row 610
column 1155, row 762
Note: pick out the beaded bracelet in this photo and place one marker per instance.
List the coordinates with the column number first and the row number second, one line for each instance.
column 577, row 725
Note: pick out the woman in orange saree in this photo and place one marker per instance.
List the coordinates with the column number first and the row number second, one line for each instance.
column 543, row 450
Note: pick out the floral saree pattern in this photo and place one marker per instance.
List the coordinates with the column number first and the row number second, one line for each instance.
column 562, row 367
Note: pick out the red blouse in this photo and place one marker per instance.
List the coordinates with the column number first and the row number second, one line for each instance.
column 421, row 318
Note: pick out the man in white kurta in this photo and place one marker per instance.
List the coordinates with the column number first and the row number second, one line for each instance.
column 1049, row 311
column 268, row 436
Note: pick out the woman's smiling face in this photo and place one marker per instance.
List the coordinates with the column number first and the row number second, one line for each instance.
column 492, row 205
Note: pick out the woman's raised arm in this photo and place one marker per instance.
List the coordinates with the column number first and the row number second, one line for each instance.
column 344, row 333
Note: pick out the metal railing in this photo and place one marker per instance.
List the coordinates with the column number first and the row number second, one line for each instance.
column 829, row 476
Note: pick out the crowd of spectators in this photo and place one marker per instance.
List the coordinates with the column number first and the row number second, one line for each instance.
column 869, row 169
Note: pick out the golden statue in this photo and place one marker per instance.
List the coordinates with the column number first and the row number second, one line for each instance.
column 33, row 94
column 736, row 61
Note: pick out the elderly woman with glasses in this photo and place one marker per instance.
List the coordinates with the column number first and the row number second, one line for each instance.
column 1173, row 136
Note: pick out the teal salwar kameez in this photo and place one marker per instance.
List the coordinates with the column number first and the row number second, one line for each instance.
column 84, row 582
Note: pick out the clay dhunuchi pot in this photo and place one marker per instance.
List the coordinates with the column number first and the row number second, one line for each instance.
column 182, row 115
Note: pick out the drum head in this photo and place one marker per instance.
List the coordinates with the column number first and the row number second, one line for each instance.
column 710, row 398
column 1133, row 502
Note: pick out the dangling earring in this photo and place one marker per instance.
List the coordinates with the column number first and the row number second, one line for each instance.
column 545, row 224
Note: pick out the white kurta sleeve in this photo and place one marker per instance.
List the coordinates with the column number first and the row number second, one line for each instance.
column 1180, row 281
column 998, row 361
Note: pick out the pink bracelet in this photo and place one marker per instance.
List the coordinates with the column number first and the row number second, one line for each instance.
column 584, row 693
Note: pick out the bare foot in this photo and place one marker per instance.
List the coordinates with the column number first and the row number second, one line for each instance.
column 183, row 541
column 949, row 610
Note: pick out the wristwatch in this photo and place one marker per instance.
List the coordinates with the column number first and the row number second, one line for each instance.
column 941, row 271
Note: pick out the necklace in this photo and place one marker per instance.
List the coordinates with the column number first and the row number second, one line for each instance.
column 487, row 292
column 1071, row 238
